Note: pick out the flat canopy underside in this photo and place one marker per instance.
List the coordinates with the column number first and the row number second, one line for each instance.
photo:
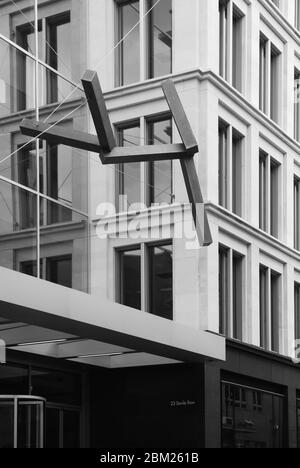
column 42, row 318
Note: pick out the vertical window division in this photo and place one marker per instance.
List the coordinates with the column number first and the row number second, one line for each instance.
column 58, row 55
column 231, row 289
column 269, row 78
column 269, row 194
column 223, row 164
column 230, row 168
column 237, row 295
column 263, row 303
column 231, row 43
column 263, row 73
column 263, row 191
column 160, row 38
column 297, row 311
column 223, row 291
column 129, row 50
column 128, row 176
column 160, row 180
column 274, row 84
column 161, row 281
column 223, row 40
column 130, row 278
column 237, row 42
column 297, row 14
column 297, row 104
column 275, row 298
column 274, row 201
column 270, row 300
column 297, row 213
column 237, row 142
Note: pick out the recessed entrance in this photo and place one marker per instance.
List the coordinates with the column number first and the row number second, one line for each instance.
column 21, row 422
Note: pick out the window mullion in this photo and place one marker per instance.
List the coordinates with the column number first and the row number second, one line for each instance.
column 229, row 169
column 268, row 312
column 230, row 295
column 143, row 40
column 229, row 41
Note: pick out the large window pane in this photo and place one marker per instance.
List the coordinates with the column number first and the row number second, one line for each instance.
column 161, row 281
column 128, row 175
column 18, row 219
column 15, row 15
column 56, row 386
column 129, row 50
column 252, row 418
column 160, row 172
column 130, row 278
column 160, row 32
column 63, row 246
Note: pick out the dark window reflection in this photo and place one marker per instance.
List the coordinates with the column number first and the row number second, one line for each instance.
column 160, row 172
column 14, row 380
column 6, row 424
column 129, row 50
column 129, row 175
column 160, row 35
column 161, row 281
column 56, row 386
column 130, row 278
column 62, row 428
column 59, row 270
column 251, row 418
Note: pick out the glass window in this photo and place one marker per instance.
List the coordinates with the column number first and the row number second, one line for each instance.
column 252, row 418
column 56, row 386
column 128, row 175
column 297, row 311
column 59, row 270
column 14, row 379
column 161, row 281
column 223, row 164
column 129, row 50
column 58, row 55
column 237, row 295
column 237, row 154
column 270, row 300
column 160, row 172
column 160, row 37
column 297, row 104
column 223, row 291
column 296, row 213
column 130, row 278
column 263, row 299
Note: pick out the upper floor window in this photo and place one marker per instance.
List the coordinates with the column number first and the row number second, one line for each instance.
column 297, row 104
column 269, row 194
column 54, row 36
column 297, row 14
column 230, row 168
column 145, row 183
column 231, row 284
column 145, row 279
column 134, row 61
column 270, row 297
column 269, row 78
column 296, row 213
column 231, row 45
column 297, row 311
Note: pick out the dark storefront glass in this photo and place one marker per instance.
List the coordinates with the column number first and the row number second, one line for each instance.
column 56, row 386
column 251, row 418
column 14, row 380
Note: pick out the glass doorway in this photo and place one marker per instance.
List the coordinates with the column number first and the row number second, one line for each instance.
column 21, row 422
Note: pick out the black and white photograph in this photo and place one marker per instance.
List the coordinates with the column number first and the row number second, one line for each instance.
column 149, row 227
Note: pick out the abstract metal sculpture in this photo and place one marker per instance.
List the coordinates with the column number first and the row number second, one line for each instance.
column 105, row 145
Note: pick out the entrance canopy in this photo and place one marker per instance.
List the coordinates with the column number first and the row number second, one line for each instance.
column 43, row 318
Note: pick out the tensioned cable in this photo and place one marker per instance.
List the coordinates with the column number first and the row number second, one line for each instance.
column 106, row 56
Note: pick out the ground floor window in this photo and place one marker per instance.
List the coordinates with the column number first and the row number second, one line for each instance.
column 252, row 418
